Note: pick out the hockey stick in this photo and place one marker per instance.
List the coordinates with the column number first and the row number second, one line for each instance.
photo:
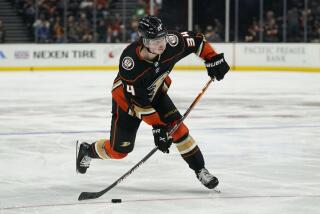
column 94, row 195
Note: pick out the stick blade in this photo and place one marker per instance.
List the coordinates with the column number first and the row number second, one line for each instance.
column 88, row 195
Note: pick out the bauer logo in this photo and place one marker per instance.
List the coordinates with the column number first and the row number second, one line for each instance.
column 2, row 56
column 21, row 55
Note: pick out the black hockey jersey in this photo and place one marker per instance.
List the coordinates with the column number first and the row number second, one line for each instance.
column 139, row 82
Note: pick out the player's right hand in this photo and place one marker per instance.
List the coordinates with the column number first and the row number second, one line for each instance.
column 161, row 138
column 217, row 67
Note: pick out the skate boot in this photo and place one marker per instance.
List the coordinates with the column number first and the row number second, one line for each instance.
column 83, row 159
column 207, row 179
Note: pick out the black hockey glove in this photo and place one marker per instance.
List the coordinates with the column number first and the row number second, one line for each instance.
column 217, row 67
column 161, row 138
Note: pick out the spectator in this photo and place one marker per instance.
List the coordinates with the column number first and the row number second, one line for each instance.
column 133, row 32
column 83, row 23
column 102, row 9
column 218, row 27
column 43, row 32
column 271, row 31
column 73, row 35
column 103, row 3
column 269, row 15
column 29, row 13
column 86, row 4
column 58, row 33
column 211, row 35
column 315, row 35
column 2, row 32
column 253, row 32
column 114, row 29
column 73, row 7
column 148, row 7
column 197, row 28
column 317, row 9
column 101, row 31
column 293, row 25
column 159, row 3
column 140, row 9
column 87, row 37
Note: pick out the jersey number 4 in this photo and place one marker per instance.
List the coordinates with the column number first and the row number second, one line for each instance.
column 190, row 41
column 130, row 89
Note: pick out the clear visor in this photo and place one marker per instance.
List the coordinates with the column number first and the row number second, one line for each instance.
column 155, row 42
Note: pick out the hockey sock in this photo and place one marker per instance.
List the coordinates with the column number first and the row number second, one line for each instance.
column 103, row 150
column 97, row 150
column 191, row 153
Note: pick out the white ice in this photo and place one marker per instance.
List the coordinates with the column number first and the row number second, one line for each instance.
column 259, row 134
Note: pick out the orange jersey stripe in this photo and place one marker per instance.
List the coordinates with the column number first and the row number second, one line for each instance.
column 119, row 97
column 180, row 132
column 153, row 119
column 168, row 81
column 207, row 51
column 111, row 153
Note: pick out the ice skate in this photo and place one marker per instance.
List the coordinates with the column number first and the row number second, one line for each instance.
column 83, row 159
column 207, row 179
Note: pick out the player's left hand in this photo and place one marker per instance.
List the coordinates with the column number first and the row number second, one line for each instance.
column 161, row 138
column 217, row 66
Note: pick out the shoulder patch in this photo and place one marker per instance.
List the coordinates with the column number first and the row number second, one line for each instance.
column 172, row 40
column 127, row 63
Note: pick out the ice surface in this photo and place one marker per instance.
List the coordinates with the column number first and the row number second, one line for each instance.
column 259, row 133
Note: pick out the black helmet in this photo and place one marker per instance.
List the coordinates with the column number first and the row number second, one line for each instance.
column 151, row 27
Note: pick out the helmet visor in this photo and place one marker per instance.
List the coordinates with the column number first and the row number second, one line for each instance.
column 155, row 42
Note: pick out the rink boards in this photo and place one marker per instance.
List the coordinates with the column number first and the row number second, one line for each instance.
column 104, row 57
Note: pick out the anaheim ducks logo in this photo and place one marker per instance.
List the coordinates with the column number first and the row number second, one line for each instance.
column 154, row 87
column 172, row 40
column 127, row 63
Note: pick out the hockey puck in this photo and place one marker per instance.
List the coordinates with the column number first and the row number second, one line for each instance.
column 116, row 200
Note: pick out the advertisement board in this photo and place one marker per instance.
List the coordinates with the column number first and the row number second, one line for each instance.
column 240, row 56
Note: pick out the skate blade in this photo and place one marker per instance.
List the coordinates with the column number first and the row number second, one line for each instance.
column 77, row 151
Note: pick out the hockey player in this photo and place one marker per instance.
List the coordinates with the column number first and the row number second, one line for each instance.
column 139, row 93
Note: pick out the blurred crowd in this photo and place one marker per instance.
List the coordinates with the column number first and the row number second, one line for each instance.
column 85, row 21
column 47, row 21
column 251, row 29
column 2, row 32
column 297, row 18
